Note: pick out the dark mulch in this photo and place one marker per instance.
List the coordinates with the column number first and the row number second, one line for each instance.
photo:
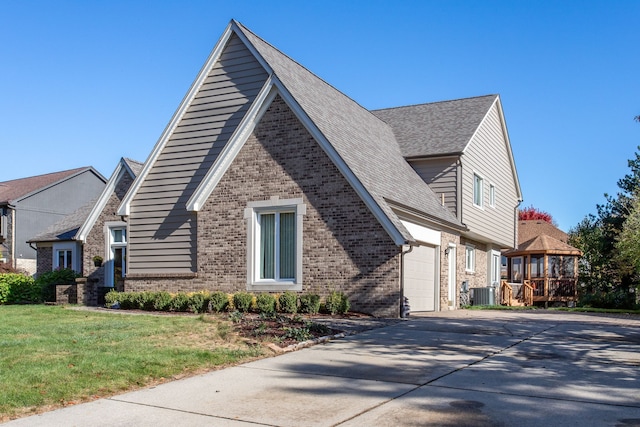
column 280, row 329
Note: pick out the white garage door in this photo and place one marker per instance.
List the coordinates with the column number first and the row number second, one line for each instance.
column 420, row 277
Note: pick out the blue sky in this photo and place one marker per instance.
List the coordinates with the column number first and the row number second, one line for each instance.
column 87, row 82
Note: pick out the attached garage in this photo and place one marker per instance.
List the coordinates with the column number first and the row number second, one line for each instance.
column 420, row 278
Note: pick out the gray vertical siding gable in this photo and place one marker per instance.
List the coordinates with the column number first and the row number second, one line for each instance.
column 162, row 234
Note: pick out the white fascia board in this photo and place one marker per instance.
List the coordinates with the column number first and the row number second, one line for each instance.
column 342, row 166
column 125, row 206
column 233, row 146
column 423, row 234
column 98, row 207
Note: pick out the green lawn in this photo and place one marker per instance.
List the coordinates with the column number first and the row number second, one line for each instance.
column 53, row 356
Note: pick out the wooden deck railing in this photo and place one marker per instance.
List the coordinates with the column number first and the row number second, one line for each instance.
column 524, row 295
column 506, row 293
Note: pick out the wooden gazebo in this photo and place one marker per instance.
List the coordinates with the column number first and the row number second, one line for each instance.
column 542, row 269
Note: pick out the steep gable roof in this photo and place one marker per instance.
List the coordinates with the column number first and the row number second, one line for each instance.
column 17, row 189
column 366, row 144
column 362, row 146
column 133, row 168
column 437, row 128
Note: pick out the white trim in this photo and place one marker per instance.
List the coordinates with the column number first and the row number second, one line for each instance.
column 251, row 213
column 67, row 246
column 125, row 205
column 468, row 269
column 106, row 194
column 423, row 234
column 232, row 147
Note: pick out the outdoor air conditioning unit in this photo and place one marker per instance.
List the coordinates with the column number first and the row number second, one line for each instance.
column 484, row 296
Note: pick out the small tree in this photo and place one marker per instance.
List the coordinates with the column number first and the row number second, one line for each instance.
column 531, row 213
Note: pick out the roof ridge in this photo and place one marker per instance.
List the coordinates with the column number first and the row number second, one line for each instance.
column 46, row 174
column 309, row 71
column 437, row 102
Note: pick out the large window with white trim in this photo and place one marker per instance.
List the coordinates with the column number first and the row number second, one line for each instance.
column 116, row 251
column 470, row 258
column 65, row 256
column 277, row 246
column 274, row 244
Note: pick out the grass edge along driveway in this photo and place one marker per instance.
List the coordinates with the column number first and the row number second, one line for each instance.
column 51, row 356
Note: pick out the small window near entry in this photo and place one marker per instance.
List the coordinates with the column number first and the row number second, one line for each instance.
column 470, row 258
column 478, row 189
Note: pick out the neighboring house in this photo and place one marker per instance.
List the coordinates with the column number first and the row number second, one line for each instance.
column 93, row 230
column 544, row 261
column 28, row 206
column 269, row 179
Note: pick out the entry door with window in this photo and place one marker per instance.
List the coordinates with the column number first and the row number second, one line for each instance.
column 117, row 254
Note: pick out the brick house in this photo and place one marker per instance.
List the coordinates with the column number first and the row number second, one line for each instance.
column 28, row 206
column 92, row 230
column 268, row 179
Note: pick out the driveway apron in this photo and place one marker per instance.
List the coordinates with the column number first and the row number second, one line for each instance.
column 456, row 368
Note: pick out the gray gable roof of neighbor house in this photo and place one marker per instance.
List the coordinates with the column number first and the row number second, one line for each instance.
column 365, row 143
column 17, row 189
column 438, row 128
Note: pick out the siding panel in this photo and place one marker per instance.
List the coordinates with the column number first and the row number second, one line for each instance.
column 442, row 176
column 162, row 233
column 487, row 155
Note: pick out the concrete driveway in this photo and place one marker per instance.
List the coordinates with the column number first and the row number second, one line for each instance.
column 461, row 368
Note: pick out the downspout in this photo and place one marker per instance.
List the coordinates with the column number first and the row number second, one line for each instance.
column 403, row 313
column 13, row 236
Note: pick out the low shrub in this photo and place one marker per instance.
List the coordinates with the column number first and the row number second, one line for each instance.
column 180, row 302
column 219, row 301
column 288, row 302
column 242, row 301
column 112, row 297
column 310, row 303
column 162, row 301
column 266, row 303
column 199, row 302
column 17, row 288
column 337, row 303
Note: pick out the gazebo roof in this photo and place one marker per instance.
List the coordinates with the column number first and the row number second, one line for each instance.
column 543, row 244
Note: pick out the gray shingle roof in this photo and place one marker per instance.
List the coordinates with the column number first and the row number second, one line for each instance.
column 436, row 128
column 18, row 188
column 365, row 143
column 67, row 227
column 134, row 165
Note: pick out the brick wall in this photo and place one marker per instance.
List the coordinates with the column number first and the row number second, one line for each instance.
column 344, row 247
column 44, row 259
column 95, row 243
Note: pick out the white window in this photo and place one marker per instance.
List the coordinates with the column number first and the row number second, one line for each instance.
column 478, row 190
column 492, row 195
column 470, row 258
column 274, row 244
column 64, row 256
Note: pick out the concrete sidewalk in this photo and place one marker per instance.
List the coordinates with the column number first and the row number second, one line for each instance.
column 479, row 368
